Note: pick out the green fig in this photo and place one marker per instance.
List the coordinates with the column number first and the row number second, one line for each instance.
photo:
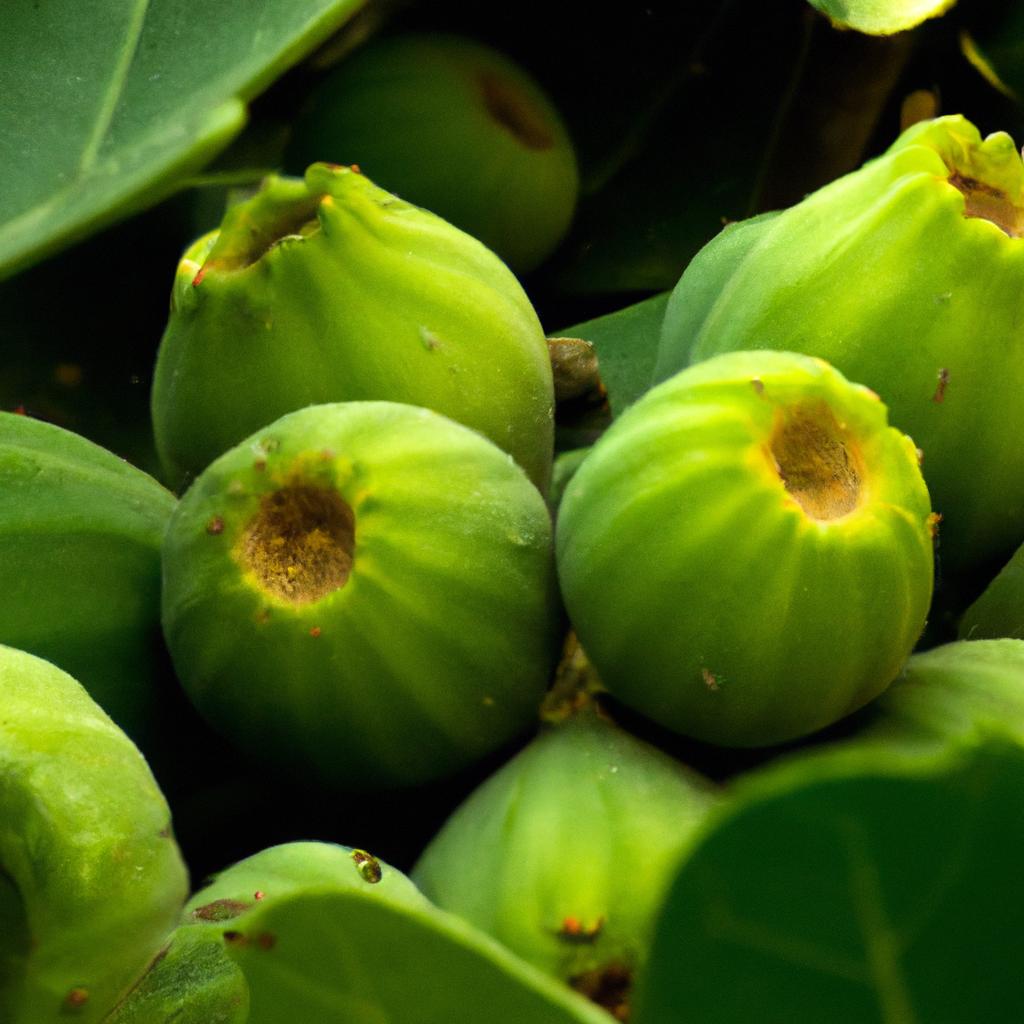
column 908, row 276
column 363, row 591
column 959, row 692
column 196, row 981
column 746, row 554
column 565, row 853
column 452, row 125
column 80, row 536
column 91, row 880
column 331, row 289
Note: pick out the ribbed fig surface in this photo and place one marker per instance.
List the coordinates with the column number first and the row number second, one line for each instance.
column 90, row 877
column 454, row 126
column 906, row 275
column 363, row 591
column 331, row 289
column 564, row 854
column 80, row 536
column 746, row 554
column 957, row 693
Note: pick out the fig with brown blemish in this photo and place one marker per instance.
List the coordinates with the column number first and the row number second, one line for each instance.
column 379, row 607
column 908, row 276
column 748, row 565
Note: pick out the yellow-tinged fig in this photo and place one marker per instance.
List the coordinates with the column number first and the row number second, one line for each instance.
column 91, row 880
column 364, row 592
column 746, row 554
column 908, row 276
column 329, row 289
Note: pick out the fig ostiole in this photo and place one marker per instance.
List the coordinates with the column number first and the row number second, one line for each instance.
column 364, row 591
column 564, row 854
column 746, row 554
column 91, row 880
column 329, row 289
column 455, row 126
column 907, row 276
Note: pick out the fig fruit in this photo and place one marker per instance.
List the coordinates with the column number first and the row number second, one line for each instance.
column 363, row 591
column 299, row 932
column 331, row 289
column 957, row 693
column 746, row 554
column 564, row 854
column 452, row 125
column 90, row 877
column 906, row 275
column 80, row 536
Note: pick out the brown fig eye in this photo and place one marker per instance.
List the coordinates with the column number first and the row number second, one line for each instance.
column 815, row 461
column 376, row 606
column 300, row 544
column 746, row 553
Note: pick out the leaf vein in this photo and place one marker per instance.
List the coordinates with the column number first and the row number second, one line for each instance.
column 115, row 90
column 881, row 941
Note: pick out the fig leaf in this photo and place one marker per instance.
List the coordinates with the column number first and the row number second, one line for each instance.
column 853, row 886
column 108, row 104
column 189, row 982
column 336, row 956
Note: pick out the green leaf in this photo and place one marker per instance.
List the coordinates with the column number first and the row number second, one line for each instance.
column 190, row 982
column 329, row 934
column 675, row 176
column 109, row 103
column 338, row 956
column 626, row 343
column 852, row 887
column 881, row 17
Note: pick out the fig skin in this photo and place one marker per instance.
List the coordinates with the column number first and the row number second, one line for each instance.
column 746, row 554
column 564, row 854
column 409, row 627
column 91, row 879
column 454, row 126
column 80, row 536
column 959, row 693
column 331, row 289
column 907, row 276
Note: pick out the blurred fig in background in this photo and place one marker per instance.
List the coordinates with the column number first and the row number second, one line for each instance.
column 564, row 855
column 453, row 126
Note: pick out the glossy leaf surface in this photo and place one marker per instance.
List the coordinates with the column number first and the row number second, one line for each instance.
column 852, row 888
column 107, row 103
